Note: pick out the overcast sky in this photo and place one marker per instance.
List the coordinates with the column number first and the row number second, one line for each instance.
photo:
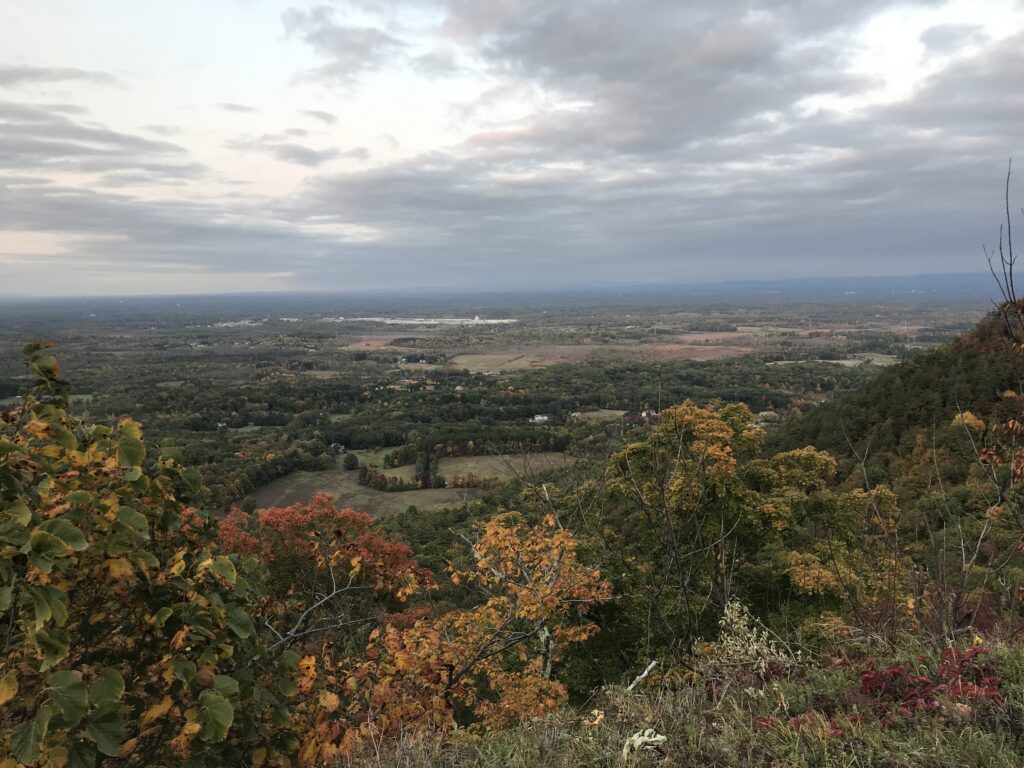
column 236, row 145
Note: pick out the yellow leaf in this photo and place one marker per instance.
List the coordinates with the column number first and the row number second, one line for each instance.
column 127, row 748
column 57, row 757
column 259, row 757
column 308, row 753
column 329, row 700
column 158, row 710
column 8, row 687
column 120, row 569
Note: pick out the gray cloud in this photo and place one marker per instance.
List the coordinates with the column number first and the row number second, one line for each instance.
column 689, row 154
column 349, row 50
column 38, row 137
column 319, row 114
column 667, row 141
column 279, row 147
column 244, row 109
column 15, row 76
column 357, row 153
column 949, row 38
column 162, row 130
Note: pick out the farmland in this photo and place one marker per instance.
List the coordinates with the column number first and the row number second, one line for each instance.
column 344, row 485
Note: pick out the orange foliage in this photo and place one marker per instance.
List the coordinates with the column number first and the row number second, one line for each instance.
column 493, row 660
column 321, row 536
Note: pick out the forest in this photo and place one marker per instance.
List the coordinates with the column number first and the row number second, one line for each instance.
column 841, row 585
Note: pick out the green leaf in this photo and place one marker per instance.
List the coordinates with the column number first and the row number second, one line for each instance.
column 28, row 737
column 131, row 520
column 48, row 602
column 81, row 754
column 224, row 569
column 239, row 621
column 215, row 717
column 80, row 498
column 68, row 692
column 106, row 728
column 107, row 688
column 6, row 595
column 225, row 685
column 36, row 345
column 19, row 512
column 170, row 452
column 184, row 670
column 65, row 438
column 73, row 538
column 44, row 550
column 193, row 479
column 54, row 646
column 130, row 451
column 161, row 616
column 45, row 365
column 13, row 532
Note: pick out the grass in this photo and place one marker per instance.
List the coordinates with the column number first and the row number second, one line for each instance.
column 483, row 467
column 744, row 725
column 503, row 467
column 482, row 363
column 300, row 487
column 601, row 414
column 371, row 457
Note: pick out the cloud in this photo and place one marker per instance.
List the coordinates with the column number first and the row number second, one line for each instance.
column 319, row 114
column 279, row 147
column 350, row 50
column 950, row 38
column 45, row 138
column 612, row 142
column 162, row 130
column 16, row 76
column 243, row 109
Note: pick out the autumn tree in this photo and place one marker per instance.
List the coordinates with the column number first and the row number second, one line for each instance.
column 120, row 637
column 326, row 573
column 492, row 663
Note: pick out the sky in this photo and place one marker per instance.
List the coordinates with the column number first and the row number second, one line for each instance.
column 204, row 146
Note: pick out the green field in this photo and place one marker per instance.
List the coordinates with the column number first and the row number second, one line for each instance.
column 343, row 485
column 482, row 363
column 601, row 414
column 300, row 487
column 502, row 467
column 485, row 467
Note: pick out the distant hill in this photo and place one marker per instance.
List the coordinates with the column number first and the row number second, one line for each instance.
column 887, row 288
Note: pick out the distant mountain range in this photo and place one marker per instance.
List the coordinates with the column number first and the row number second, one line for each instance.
column 968, row 287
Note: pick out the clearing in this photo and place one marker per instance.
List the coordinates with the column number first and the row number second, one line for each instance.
column 343, row 485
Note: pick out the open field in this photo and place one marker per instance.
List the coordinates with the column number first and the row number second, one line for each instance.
column 502, row 467
column 482, row 363
column 602, row 414
column 483, row 467
column 545, row 355
column 299, row 487
column 859, row 358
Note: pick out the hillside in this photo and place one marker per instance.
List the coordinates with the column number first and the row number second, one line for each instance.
column 884, row 416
